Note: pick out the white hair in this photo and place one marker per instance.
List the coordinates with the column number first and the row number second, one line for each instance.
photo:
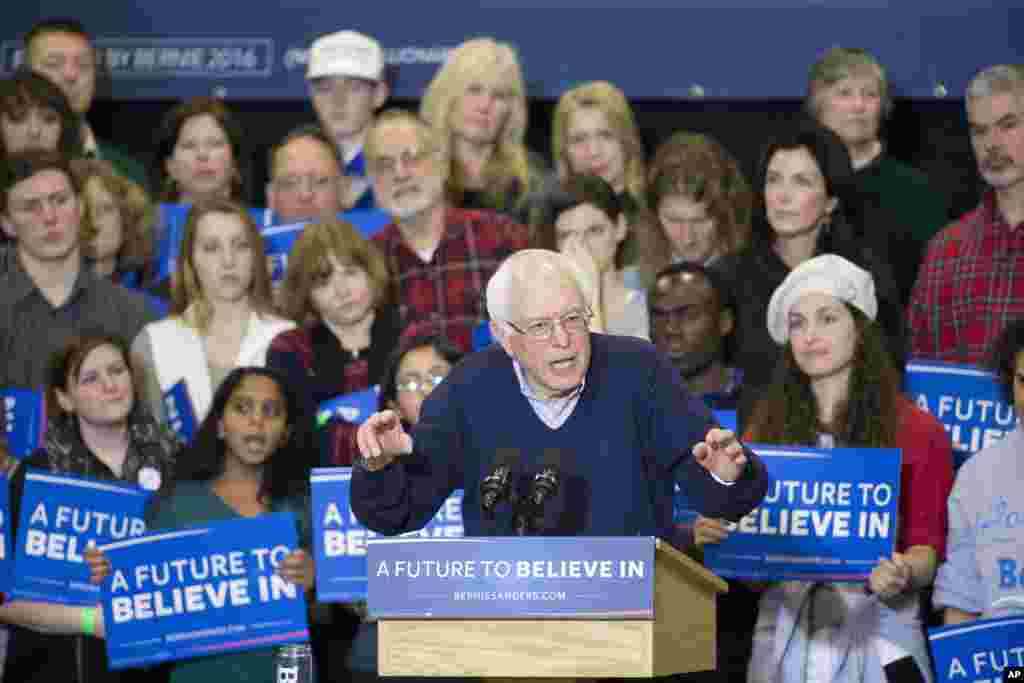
column 998, row 79
column 527, row 265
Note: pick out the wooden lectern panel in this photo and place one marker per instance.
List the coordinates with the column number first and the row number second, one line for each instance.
column 520, row 648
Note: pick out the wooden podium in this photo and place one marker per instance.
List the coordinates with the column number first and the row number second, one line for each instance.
column 680, row 637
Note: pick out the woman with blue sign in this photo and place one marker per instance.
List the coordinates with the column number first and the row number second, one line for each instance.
column 338, row 289
column 222, row 315
column 836, row 387
column 983, row 575
column 250, row 456
column 117, row 223
column 97, row 429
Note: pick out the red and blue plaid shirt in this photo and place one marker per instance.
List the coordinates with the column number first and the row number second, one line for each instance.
column 447, row 293
column 969, row 286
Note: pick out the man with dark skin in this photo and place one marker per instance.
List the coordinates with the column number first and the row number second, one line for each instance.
column 691, row 319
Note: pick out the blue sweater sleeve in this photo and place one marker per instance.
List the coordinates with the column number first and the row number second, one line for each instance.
column 406, row 494
column 678, row 422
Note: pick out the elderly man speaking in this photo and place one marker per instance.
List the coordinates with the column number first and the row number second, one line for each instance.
column 606, row 414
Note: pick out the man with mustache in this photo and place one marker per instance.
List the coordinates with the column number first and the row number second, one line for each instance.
column 971, row 283
column 440, row 257
column 347, row 85
column 691, row 319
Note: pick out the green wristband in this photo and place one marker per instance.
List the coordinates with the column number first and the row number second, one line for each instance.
column 89, row 621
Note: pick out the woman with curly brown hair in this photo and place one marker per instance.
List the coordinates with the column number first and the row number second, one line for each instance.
column 699, row 200
column 117, row 222
column 835, row 386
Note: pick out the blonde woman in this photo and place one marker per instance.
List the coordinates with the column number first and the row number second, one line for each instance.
column 594, row 132
column 477, row 104
column 221, row 311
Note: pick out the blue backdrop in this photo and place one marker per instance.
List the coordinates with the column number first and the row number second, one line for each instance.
column 650, row 48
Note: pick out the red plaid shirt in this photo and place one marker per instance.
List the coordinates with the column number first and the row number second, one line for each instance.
column 448, row 291
column 970, row 285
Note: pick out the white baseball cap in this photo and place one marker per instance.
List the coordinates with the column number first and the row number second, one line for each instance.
column 345, row 53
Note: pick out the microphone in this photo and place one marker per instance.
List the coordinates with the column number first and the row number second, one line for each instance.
column 495, row 487
column 545, row 483
column 898, row 665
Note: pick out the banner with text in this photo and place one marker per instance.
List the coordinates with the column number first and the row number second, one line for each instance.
column 339, row 540
column 509, row 578
column 967, row 401
column 829, row 514
column 61, row 515
column 24, row 420
column 202, row 590
column 977, row 651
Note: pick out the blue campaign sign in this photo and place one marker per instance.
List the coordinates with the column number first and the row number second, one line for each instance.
column 508, row 578
column 967, row 401
column 154, row 51
column 202, row 590
column 181, row 414
column 61, row 515
column 977, row 651
column 339, row 540
column 829, row 514
column 24, row 419
column 6, row 563
column 354, row 407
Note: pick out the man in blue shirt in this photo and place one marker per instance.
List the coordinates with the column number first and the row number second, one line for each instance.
column 611, row 408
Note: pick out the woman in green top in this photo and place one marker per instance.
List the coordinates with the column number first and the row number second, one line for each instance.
column 251, row 455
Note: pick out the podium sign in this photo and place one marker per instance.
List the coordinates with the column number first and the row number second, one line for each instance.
column 977, row 651
column 512, row 578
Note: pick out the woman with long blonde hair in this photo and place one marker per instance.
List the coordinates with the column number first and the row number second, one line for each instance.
column 477, row 105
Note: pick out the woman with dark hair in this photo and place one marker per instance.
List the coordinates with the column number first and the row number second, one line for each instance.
column 835, row 386
column 807, row 205
column 97, row 428
column 250, row 456
column 590, row 226
column 973, row 583
column 35, row 114
column 200, row 154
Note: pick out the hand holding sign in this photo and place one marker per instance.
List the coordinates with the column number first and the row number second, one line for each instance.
column 721, row 454
column 297, row 567
column 890, row 578
column 708, row 530
column 381, row 439
column 99, row 565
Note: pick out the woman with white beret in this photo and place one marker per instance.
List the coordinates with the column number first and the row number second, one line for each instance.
column 835, row 386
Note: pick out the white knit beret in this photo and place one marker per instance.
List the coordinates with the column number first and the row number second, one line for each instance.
column 825, row 274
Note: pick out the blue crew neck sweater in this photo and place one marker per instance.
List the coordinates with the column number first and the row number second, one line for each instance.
column 626, row 444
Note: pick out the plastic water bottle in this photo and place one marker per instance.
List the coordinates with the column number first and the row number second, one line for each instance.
column 294, row 664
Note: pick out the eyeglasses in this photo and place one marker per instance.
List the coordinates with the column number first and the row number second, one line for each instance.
column 410, row 156
column 574, row 322
column 415, row 384
column 294, row 183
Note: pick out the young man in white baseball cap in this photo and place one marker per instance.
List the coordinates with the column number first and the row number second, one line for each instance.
column 347, row 85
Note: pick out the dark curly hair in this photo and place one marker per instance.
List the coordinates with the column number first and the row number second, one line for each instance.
column 286, row 474
column 1003, row 360
column 788, row 412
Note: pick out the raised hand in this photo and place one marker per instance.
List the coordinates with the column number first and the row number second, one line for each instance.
column 721, row 454
column 381, row 439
